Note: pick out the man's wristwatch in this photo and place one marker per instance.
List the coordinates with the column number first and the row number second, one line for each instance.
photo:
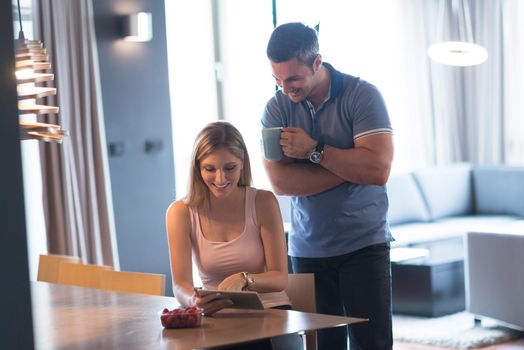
column 316, row 154
column 249, row 280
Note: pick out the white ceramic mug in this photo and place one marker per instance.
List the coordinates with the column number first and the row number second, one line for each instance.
column 271, row 143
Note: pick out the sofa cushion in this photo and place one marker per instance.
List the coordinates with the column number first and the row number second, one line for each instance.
column 405, row 200
column 499, row 190
column 480, row 223
column 412, row 233
column 447, row 190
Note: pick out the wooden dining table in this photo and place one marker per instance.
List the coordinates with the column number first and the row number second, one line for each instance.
column 67, row 317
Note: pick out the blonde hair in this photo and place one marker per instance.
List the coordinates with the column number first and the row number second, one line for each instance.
column 213, row 137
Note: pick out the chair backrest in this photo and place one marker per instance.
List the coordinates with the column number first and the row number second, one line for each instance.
column 82, row 275
column 301, row 291
column 48, row 266
column 133, row 282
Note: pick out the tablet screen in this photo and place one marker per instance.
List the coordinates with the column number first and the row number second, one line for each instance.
column 241, row 300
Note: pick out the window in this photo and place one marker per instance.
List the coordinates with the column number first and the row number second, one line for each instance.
column 383, row 42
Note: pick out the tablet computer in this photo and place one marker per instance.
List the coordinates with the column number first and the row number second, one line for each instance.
column 241, row 300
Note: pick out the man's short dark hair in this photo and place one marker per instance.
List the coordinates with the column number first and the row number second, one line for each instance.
column 293, row 40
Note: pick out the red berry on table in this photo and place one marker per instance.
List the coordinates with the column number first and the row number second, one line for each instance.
column 182, row 317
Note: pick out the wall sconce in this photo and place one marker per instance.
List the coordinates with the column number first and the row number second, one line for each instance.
column 138, row 27
column 455, row 46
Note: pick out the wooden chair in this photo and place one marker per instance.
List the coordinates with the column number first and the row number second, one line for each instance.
column 82, row 275
column 48, row 266
column 133, row 282
column 301, row 291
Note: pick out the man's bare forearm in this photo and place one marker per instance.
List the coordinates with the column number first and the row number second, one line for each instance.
column 300, row 179
column 368, row 163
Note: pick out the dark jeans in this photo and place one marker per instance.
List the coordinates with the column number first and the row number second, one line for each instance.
column 357, row 284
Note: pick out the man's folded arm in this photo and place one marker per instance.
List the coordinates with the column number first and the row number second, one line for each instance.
column 299, row 179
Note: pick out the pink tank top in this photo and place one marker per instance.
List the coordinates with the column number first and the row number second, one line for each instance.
column 218, row 260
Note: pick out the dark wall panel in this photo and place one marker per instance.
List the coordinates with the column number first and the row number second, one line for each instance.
column 16, row 331
column 135, row 90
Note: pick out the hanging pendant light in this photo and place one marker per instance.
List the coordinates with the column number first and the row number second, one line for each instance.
column 31, row 69
column 459, row 48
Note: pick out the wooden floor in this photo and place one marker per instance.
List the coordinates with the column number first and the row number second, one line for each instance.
column 514, row 345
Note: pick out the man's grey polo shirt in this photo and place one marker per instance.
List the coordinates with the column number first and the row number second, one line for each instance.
column 350, row 216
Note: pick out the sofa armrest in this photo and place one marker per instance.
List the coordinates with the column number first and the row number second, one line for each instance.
column 405, row 200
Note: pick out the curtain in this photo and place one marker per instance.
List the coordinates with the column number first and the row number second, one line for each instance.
column 484, row 114
column 475, row 113
column 77, row 193
column 513, row 85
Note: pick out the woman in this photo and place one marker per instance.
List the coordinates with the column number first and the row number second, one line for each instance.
column 234, row 231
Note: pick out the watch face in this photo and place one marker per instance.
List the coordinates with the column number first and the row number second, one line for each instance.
column 315, row 157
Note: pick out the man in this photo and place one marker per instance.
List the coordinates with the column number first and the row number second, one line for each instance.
column 338, row 148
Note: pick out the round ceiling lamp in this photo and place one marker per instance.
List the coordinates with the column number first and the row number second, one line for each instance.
column 455, row 46
column 458, row 53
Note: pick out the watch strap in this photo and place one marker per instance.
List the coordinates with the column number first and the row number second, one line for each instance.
column 249, row 280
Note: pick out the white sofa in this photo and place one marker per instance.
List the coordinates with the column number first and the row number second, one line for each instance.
column 449, row 201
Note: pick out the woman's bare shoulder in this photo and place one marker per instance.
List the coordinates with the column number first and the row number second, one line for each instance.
column 178, row 209
column 264, row 196
column 178, row 219
column 266, row 204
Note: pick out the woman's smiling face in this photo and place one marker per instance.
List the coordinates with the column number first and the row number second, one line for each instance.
column 221, row 171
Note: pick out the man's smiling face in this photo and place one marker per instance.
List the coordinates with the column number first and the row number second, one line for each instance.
column 296, row 79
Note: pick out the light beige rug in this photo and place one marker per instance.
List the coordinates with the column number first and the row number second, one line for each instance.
column 457, row 331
